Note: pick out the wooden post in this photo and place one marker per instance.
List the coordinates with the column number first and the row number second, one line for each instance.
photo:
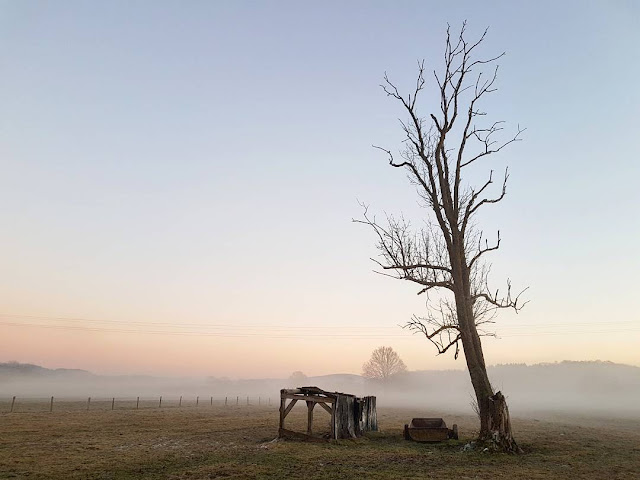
column 88, row 403
column 13, row 401
column 333, row 421
column 310, row 406
column 225, row 401
column 113, row 402
column 51, row 405
column 180, row 403
column 197, row 400
column 160, row 404
column 282, row 407
column 212, row 401
column 237, row 400
column 137, row 403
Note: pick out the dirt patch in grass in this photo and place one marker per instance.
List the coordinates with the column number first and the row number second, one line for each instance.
column 236, row 442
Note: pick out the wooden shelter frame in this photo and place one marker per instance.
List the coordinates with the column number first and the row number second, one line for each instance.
column 350, row 416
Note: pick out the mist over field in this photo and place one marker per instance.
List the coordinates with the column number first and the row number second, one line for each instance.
column 598, row 388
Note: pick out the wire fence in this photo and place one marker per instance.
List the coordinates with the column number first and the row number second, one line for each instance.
column 18, row 404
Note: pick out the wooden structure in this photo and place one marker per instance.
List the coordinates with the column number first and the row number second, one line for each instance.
column 429, row 430
column 351, row 416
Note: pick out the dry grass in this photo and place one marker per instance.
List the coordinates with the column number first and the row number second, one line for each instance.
column 235, row 442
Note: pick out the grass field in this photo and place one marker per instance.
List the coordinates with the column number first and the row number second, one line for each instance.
column 236, row 442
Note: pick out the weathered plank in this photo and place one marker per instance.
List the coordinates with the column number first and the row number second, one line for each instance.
column 285, row 433
column 316, row 390
column 283, row 401
column 289, row 407
column 310, row 406
column 315, row 398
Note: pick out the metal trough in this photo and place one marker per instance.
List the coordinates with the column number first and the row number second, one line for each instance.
column 429, row 430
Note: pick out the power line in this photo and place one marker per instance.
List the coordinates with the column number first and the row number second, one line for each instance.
column 174, row 324
column 266, row 331
column 296, row 327
column 265, row 334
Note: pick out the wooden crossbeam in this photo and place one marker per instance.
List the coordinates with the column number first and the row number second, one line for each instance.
column 289, row 407
column 312, row 398
column 286, row 433
column 326, row 407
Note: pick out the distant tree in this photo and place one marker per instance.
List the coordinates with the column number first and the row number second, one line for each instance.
column 384, row 362
column 446, row 256
column 298, row 378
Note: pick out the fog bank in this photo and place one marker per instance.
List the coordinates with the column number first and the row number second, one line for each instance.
column 598, row 388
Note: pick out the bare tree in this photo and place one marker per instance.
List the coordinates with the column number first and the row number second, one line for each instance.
column 297, row 378
column 446, row 256
column 384, row 362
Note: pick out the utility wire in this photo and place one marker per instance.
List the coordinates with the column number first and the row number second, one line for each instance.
column 296, row 327
column 289, row 331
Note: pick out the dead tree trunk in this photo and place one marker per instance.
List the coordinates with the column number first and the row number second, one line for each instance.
column 364, row 412
column 343, row 419
column 495, row 423
column 370, row 416
column 498, row 430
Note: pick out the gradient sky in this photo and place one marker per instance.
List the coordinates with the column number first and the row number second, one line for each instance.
column 178, row 179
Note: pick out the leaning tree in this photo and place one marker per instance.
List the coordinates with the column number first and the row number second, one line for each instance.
column 446, row 256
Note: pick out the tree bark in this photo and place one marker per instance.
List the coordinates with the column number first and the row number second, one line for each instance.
column 364, row 410
column 499, row 425
column 495, row 422
column 344, row 422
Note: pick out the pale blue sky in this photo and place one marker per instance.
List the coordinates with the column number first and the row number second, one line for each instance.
column 200, row 163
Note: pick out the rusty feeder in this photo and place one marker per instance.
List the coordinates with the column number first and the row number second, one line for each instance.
column 429, row 430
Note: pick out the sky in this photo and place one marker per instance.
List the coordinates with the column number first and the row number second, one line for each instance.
column 178, row 182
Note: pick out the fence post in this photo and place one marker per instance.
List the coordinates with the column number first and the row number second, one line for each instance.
column 137, row 403
column 13, row 401
column 197, row 401
column 88, row 403
column 160, row 404
column 51, row 405
column 180, row 402
column 238, row 400
column 212, row 401
column 225, row 401
column 113, row 402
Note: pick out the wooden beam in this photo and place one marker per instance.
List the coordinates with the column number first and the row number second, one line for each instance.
column 289, row 407
column 333, row 423
column 312, row 398
column 326, row 407
column 310, row 406
column 282, row 404
column 284, row 433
